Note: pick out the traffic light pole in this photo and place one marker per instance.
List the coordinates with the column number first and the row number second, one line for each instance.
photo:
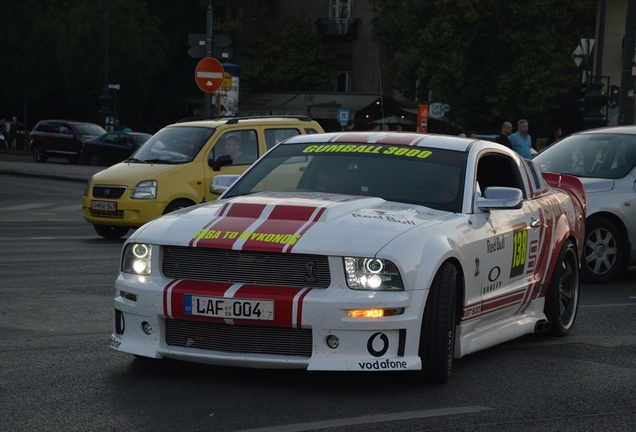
column 208, row 53
column 596, row 99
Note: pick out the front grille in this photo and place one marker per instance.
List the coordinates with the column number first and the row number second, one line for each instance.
column 119, row 214
column 233, row 339
column 110, row 192
column 261, row 268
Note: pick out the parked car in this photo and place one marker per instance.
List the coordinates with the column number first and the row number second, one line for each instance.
column 112, row 147
column 357, row 251
column 174, row 168
column 604, row 160
column 61, row 138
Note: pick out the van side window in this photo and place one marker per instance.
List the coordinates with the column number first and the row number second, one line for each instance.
column 274, row 136
column 240, row 145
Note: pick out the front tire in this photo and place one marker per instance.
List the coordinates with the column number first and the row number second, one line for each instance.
column 110, row 231
column 177, row 205
column 437, row 338
column 94, row 159
column 39, row 153
column 603, row 253
column 562, row 298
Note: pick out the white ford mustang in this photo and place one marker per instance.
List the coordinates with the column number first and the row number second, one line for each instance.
column 357, row 251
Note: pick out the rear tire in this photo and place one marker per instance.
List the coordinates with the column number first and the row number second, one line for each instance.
column 603, row 251
column 437, row 338
column 39, row 153
column 562, row 298
column 110, row 231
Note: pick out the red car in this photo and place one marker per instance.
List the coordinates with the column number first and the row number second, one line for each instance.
column 61, row 138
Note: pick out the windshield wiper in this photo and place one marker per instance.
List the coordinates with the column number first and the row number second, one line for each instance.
column 162, row 161
column 133, row 160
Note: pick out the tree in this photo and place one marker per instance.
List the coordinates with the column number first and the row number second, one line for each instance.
column 277, row 54
column 491, row 60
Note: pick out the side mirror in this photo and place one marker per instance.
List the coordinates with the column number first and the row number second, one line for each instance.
column 500, row 198
column 221, row 161
column 221, row 183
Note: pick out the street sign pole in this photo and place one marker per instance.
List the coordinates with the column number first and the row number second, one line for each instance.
column 208, row 53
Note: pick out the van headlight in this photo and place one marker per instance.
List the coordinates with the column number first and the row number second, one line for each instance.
column 136, row 259
column 372, row 274
column 146, row 189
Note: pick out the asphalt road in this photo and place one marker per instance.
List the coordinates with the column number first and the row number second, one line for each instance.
column 58, row 374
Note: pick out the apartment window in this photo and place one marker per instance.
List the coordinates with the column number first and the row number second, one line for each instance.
column 340, row 9
column 343, row 85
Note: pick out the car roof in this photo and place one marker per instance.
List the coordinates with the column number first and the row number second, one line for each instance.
column 610, row 130
column 448, row 142
column 213, row 123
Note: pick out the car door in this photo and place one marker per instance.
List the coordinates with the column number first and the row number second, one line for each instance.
column 509, row 243
column 68, row 141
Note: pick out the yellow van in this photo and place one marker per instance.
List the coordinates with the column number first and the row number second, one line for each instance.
column 174, row 168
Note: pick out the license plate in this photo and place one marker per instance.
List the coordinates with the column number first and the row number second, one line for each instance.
column 104, row 205
column 229, row 308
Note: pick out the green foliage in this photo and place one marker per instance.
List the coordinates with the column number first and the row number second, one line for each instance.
column 492, row 60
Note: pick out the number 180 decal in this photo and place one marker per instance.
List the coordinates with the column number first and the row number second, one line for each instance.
column 519, row 251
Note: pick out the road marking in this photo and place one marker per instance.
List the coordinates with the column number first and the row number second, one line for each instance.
column 369, row 419
column 26, row 206
column 74, row 207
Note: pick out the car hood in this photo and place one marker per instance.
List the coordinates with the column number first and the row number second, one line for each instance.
column 130, row 174
column 592, row 185
column 313, row 223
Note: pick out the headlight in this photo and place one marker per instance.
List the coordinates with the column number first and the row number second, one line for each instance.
column 136, row 259
column 145, row 190
column 372, row 274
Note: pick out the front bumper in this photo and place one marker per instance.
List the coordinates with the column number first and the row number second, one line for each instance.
column 295, row 340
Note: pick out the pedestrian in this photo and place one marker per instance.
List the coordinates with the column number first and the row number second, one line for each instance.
column 555, row 135
column 522, row 142
column 398, row 128
column 385, row 127
column 504, row 136
column 118, row 127
column 3, row 133
column 13, row 133
column 350, row 127
column 472, row 134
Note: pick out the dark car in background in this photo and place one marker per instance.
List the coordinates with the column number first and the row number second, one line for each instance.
column 61, row 138
column 112, row 147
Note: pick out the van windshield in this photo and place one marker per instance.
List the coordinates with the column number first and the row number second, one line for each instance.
column 173, row 145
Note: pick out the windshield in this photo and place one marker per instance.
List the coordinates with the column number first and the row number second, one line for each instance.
column 416, row 175
column 174, row 145
column 600, row 155
column 89, row 129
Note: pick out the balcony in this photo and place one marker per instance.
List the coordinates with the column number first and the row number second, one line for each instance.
column 338, row 29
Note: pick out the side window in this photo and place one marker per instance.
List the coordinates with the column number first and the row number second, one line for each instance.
column 50, row 127
column 110, row 138
column 498, row 170
column 274, row 136
column 65, row 129
column 241, row 146
column 309, row 131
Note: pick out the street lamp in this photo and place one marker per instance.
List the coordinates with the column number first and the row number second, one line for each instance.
column 105, row 114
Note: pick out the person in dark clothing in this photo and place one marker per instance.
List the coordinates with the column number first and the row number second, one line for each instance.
column 506, row 131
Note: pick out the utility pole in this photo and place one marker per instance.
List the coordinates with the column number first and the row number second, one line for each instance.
column 626, row 110
column 105, row 99
column 208, row 53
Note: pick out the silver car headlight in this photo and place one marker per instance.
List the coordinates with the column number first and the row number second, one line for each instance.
column 145, row 190
column 136, row 259
column 372, row 274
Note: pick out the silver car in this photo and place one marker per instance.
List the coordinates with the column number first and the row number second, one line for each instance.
column 604, row 160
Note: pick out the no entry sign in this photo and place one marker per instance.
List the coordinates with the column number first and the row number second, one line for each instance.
column 209, row 74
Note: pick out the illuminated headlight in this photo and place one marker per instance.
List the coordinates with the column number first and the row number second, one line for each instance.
column 372, row 274
column 145, row 190
column 136, row 259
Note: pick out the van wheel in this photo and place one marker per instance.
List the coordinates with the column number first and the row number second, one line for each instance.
column 178, row 205
column 111, row 231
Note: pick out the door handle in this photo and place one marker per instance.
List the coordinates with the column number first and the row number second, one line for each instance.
column 536, row 223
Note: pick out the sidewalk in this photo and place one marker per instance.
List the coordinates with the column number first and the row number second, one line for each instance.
column 21, row 164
